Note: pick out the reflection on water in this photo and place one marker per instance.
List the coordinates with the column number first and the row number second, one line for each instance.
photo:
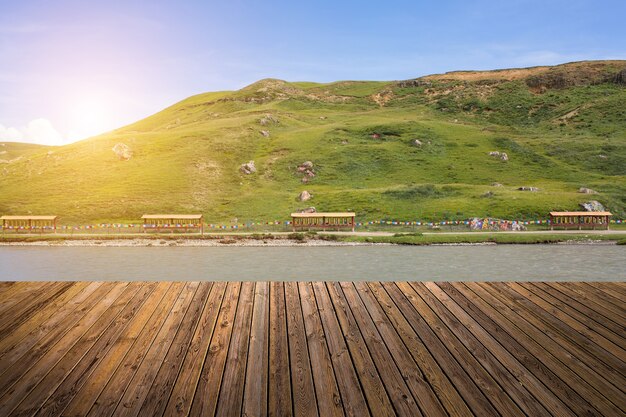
column 426, row 263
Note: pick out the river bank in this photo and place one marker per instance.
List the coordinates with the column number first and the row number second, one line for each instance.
column 315, row 239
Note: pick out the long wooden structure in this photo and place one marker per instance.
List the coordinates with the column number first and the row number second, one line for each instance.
column 172, row 222
column 29, row 223
column 323, row 221
column 579, row 220
column 312, row 349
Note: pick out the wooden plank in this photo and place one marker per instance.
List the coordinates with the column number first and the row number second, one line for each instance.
column 16, row 294
column 19, row 360
column 39, row 319
column 608, row 310
column 83, row 400
column 412, row 308
column 116, row 384
column 43, row 337
column 603, row 297
column 371, row 383
column 352, row 397
column 159, row 393
column 326, row 389
column 227, row 348
column 14, row 392
column 578, row 311
column 279, row 390
column 433, row 373
column 137, row 391
column 207, row 392
column 255, row 392
column 521, row 386
column 231, row 393
column 68, row 375
column 616, row 289
column 304, row 401
column 495, row 396
column 12, row 319
column 410, row 371
column 5, row 285
column 394, row 381
column 536, row 329
column 544, row 358
column 568, row 328
column 182, row 395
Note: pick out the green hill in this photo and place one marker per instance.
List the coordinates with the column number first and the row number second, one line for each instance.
column 562, row 128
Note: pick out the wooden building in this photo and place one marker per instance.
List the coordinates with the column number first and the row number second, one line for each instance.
column 29, row 223
column 579, row 220
column 324, row 221
column 172, row 222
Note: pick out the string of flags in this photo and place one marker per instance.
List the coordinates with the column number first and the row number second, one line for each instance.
column 473, row 224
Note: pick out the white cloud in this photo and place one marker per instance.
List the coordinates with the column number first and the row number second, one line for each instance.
column 38, row 131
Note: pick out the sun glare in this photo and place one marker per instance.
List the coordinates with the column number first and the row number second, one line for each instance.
column 88, row 118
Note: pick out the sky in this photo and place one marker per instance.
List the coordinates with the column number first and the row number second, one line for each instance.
column 73, row 69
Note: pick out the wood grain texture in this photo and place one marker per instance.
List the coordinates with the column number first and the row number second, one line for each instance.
column 312, row 349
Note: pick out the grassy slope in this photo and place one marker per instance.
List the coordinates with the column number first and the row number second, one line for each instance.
column 186, row 158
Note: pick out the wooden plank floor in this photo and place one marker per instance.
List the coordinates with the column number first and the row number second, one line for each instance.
column 312, row 349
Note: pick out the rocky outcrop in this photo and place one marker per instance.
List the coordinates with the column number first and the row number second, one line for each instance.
column 592, row 205
column 584, row 190
column 247, row 168
column 414, row 83
column 501, row 155
column 496, row 184
column 525, row 188
column 269, row 119
column 123, row 151
column 304, row 196
column 306, row 170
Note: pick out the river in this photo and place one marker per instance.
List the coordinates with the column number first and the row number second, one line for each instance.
column 343, row 263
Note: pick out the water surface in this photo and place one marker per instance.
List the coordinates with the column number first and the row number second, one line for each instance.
column 345, row 263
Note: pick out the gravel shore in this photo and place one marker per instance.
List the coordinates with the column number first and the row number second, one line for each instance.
column 189, row 242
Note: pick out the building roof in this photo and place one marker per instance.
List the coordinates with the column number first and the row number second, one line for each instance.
column 172, row 216
column 580, row 213
column 346, row 214
column 28, row 217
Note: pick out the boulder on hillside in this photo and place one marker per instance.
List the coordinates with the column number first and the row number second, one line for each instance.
column 592, row 205
column 525, row 188
column 502, row 155
column 122, row 151
column 585, row 190
column 268, row 119
column 307, row 210
column 304, row 196
column 265, row 133
column 247, row 168
column 417, row 143
column 496, row 184
column 307, row 171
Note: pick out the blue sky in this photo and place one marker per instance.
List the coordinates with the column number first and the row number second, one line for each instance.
column 70, row 69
